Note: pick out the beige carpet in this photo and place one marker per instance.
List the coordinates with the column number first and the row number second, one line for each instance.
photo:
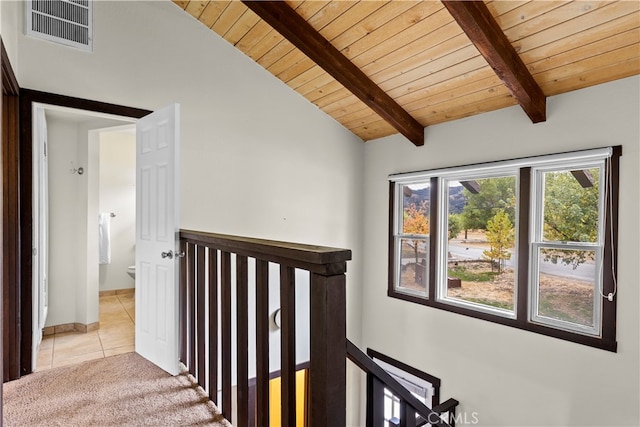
column 123, row 390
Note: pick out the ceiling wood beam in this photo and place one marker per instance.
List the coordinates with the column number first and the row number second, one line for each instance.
column 302, row 35
column 476, row 21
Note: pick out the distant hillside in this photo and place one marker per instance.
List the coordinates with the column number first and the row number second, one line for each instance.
column 457, row 200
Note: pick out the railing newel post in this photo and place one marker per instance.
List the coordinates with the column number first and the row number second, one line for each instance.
column 327, row 376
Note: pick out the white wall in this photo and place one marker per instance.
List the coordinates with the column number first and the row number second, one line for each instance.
column 117, row 195
column 63, row 218
column 9, row 32
column 510, row 377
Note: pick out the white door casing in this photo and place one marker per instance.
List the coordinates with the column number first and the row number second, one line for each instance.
column 157, row 222
column 40, row 227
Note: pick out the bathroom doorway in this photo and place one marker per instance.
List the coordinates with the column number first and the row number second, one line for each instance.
column 91, row 162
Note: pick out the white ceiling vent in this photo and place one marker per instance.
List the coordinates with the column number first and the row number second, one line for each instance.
column 69, row 22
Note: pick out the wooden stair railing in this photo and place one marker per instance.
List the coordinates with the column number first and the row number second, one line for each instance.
column 413, row 413
column 206, row 272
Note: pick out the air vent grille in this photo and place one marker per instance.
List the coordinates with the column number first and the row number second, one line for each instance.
column 68, row 22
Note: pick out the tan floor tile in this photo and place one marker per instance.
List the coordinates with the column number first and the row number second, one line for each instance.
column 119, row 350
column 45, row 357
column 77, row 342
column 117, row 337
column 47, row 342
column 62, row 360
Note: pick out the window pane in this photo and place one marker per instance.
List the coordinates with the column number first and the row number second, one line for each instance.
column 413, row 265
column 566, row 285
column 415, row 209
column 571, row 206
column 481, row 241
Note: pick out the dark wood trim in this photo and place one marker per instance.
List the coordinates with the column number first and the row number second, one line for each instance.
column 242, row 334
column 191, row 308
column 391, row 254
column 10, row 84
column 608, row 339
column 374, row 401
column 434, row 381
column 262, row 344
column 10, row 344
column 301, row 34
column 11, row 333
column 9, row 244
column 522, row 284
column 182, row 304
column 27, row 98
column 82, row 104
column 26, row 242
column 288, row 346
column 316, row 259
column 433, row 241
column 225, row 330
column 610, row 264
column 476, row 21
column 213, row 324
column 327, row 377
column 200, row 314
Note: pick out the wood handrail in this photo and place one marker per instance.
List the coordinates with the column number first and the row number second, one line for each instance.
column 317, row 259
column 367, row 364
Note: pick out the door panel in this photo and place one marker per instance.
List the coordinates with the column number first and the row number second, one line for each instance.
column 157, row 207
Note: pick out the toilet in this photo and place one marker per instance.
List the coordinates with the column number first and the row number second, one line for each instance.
column 131, row 271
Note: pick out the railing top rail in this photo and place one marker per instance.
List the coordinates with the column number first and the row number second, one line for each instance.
column 318, row 259
column 365, row 363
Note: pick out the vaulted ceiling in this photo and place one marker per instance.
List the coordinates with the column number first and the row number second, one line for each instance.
column 386, row 67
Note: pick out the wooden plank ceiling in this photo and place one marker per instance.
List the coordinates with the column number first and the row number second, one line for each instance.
column 436, row 61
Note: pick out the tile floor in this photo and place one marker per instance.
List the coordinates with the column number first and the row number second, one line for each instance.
column 115, row 336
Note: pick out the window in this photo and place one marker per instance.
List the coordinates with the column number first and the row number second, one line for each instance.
column 567, row 247
column 425, row 387
column 528, row 243
column 412, row 238
column 480, row 225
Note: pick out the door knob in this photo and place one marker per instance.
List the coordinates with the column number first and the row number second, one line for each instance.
column 167, row 254
column 180, row 254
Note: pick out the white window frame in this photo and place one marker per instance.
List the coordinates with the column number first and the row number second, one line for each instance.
column 398, row 235
column 463, row 174
column 537, row 243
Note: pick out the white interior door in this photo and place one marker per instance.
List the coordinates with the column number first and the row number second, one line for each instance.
column 157, row 222
column 40, row 227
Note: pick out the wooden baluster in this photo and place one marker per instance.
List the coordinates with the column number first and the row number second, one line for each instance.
column 192, row 311
column 407, row 415
column 225, row 296
column 200, row 312
column 262, row 343
column 375, row 401
column 213, row 324
column 242, row 330
column 327, row 377
column 288, row 346
column 182, row 307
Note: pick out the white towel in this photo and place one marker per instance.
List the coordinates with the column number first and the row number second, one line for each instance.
column 104, row 238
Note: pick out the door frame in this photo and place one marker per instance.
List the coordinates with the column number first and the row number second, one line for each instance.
column 27, row 98
column 9, row 211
